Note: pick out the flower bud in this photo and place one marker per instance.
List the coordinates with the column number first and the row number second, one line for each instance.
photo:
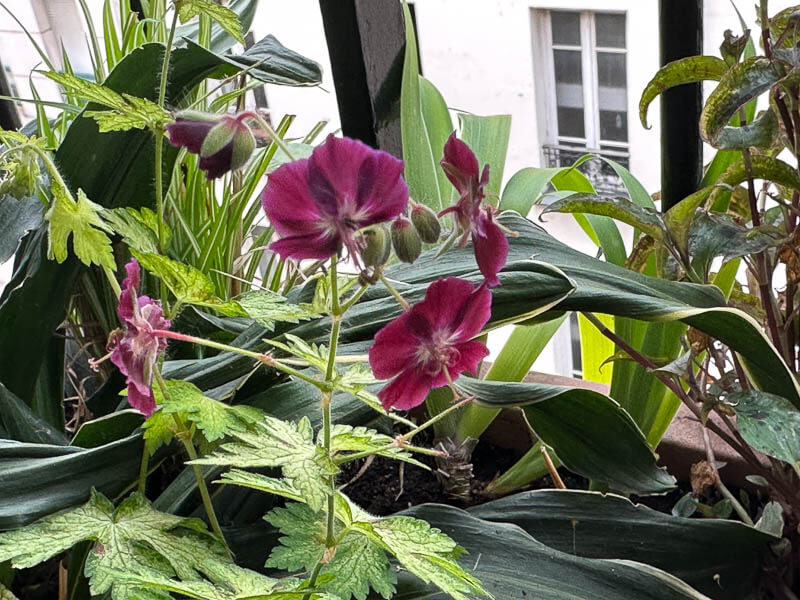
column 405, row 240
column 426, row 223
column 223, row 143
column 377, row 245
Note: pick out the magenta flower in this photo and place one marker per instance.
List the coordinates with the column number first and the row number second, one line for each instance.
column 318, row 204
column 136, row 350
column 473, row 216
column 431, row 342
column 224, row 143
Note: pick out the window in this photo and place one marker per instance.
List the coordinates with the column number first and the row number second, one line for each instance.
column 584, row 91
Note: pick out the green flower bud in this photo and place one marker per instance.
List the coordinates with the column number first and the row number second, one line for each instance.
column 377, row 245
column 426, row 223
column 405, row 240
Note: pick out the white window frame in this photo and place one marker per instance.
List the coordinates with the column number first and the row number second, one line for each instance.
column 543, row 48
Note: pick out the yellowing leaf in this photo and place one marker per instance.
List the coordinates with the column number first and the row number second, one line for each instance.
column 80, row 220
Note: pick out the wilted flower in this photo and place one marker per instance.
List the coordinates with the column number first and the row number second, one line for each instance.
column 472, row 215
column 431, row 342
column 318, row 204
column 136, row 350
column 224, row 143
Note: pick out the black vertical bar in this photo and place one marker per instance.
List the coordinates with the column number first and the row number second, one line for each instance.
column 9, row 117
column 681, row 34
column 366, row 43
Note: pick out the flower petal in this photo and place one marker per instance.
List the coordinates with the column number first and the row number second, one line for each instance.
column 287, row 201
column 317, row 246
column 406, row 391
column 444, row 301
column 382, row 193
column 333, row 173
column 491, row 247
column 474, row 314
column 130, row 287
column 189, row 133
column 144, row 403
column 459, row 163
column 394, row 349
column 470, row 354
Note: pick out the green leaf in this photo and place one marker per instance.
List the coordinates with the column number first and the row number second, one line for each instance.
column 621, row 209
column 679, row 218
column 692, row 69
column 346, row 438
column 266, row 307
column 5, row 593
column 743, row 82
column 439, row 126
column 221, row 40
column 224, row 17
column 504, row 547
column 488, row 138
column 138, row 228
column 714, row 234
column 80, row 220
column 128, row 111
column 106, row 429
column 159, row 429
column 314, row 354
column 268, row 61
column 276, row 443
column 421, row 151
column 769, row 423
column 131, row 535
column 762, row 167
column 17, row 217
column 215, row 419
column 188, row 284
column 720, row 558
column 591, row 434
column 358, row 564
column 18, row 422
column 771, row 520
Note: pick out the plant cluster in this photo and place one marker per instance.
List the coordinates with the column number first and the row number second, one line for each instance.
column 273, row 334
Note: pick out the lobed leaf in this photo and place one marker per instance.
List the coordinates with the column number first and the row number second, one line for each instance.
column 224, row 17
column 79, row 219
column 266, row 307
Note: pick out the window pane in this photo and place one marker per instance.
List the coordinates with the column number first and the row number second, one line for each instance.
column 609, row 30
column 613, row 126
column 566, row 28
column 569, row 92
column 612, row 95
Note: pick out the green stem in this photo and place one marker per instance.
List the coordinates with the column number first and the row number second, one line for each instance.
column 159, row 148
column 354, row 298
column 400, row 442
column 267, row 360
column 184, row 436
column 143, row 466
column 327, row 396
column 394, row 292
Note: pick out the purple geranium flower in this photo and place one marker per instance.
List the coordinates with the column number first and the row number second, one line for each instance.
column 136, row 350
column 224, row 143
column 318, row 204
column 473, row 216
column 431, row 343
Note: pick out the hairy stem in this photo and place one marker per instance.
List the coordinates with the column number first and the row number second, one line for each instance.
column 403, row 302
column 159, row 147
column 185, row 437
